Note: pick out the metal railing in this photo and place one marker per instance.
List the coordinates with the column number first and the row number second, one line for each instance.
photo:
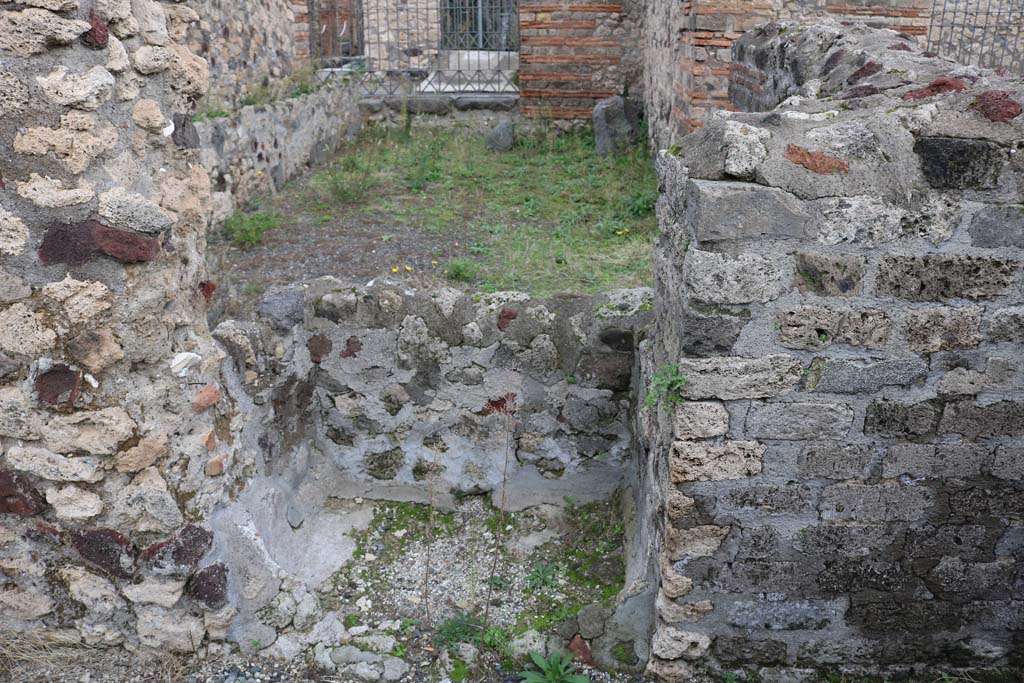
column 985, row 33
column 422, row 46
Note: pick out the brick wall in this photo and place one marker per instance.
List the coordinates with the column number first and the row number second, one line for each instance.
column 571, row 55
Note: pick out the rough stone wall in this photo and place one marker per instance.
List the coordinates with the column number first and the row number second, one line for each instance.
column 257, row 149
column 839, row 280
column 381, row 392
column 247, row 45
column 687, row 50
column 110, row 403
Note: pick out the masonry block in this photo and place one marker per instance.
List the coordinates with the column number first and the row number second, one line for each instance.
column 929, row 461
column 996, row 226
column 939, row 277
column 829, row 274
column 942, row 328
column 955, row 163
column 706, row 461
column 720, row 279
column 799, row 421
column 814, row 327
column 893, row 418
column 726, row 211
column 876, row 503
column 836, row 376
column 972, row 420
column 730, row 378
column 831, row 460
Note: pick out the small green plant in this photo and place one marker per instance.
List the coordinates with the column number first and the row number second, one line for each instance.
column 666, row 385
column 462, row 270
column 542, row 575
column 351, row 620
column 398, row 650
column 499, row 583
column 460, row 671
column 408, row 625
column 555, row 669
column 497, row 638
column 248, row 230
column 462, row 628
column 641, row 203
column 210, row 115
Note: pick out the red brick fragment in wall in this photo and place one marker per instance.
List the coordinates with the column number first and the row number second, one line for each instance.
column 996, row 105
column 939, row 86
column 59, row 385
column 98, row 35
column 902, row 47
column 581, row 651
column 207, row 396
column 76, row 243
column 319, row 346
column 209, row 586
column 505, row 318
column 869, row 69
column 107, row 549
column 180, row 553
column 207, row 288
column 352, row 347
column 817, row 162
column 859, row 91
column 17, row 496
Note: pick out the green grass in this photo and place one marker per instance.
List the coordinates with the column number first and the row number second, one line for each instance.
column 247, row 230
column 547, row 217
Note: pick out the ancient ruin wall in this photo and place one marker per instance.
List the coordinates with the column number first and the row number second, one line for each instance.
column 383, row 392
column 255, row 150
column 113, row 422
column 248, row 45
column 839, row 280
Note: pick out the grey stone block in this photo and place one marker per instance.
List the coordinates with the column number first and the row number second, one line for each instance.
column 955, row 163
column 1006, row 325
column 971, row 420
column 814, row 327
column 930, row 461
column 830, row 274
column 616, row 125
column 892, row 418
column 502, row 137
column 838, row 460
column 789, row 615
column 799, row 421
column 720, row 279
column 877, row 503
column 283, row 307
column 720, row 211
column 863, row 376
column 998, row 226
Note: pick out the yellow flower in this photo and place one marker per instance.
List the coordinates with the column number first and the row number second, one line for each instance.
column 408, row 269
column 433, row 263
column 395, row 269
column 627, row 229
column 618, row 232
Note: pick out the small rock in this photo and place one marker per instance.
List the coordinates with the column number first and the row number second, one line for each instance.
column 616, row 125
column 207, row 396
column 502, row 137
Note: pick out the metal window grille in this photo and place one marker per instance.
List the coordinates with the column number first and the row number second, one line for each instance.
column 427, row 46
column 985, row 33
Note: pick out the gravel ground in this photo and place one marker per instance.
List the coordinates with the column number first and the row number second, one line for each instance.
column 380, row 596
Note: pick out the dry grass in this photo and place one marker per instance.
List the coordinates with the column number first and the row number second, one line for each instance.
column 38, row 650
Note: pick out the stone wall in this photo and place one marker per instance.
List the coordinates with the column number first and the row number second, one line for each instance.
column 382, row 392
column 110, row 399
column 248, row 45
column 255, row 150
column 688, row 59
column 839, row 281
